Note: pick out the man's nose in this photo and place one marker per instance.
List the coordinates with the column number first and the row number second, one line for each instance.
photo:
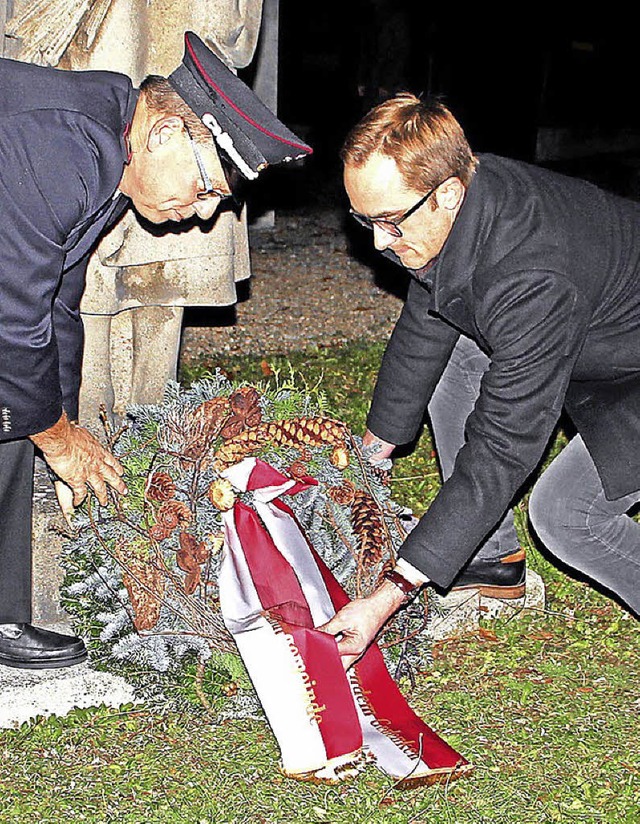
column 206, row 209
column 381, row 239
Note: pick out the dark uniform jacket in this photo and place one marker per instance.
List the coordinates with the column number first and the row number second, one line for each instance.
column 62, row 155
column 543, row 272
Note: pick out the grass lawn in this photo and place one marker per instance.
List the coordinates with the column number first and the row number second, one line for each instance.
column 546, row 706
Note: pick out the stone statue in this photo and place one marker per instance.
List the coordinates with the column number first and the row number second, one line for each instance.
column 139, row 279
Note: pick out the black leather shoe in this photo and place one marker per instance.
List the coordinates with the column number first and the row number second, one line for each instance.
column 502, row 578
column 28, row 647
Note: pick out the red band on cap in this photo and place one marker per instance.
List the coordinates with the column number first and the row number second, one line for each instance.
column 214, row 85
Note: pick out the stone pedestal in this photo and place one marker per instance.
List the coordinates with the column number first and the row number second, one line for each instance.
column 461, row 612
column 47, row 574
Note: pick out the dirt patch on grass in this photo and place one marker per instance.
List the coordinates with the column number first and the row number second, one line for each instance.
column 315, row 282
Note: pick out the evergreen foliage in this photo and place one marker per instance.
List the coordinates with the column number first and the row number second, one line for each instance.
column 141, row 572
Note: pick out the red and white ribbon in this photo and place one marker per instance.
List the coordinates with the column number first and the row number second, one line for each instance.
column 274, row 590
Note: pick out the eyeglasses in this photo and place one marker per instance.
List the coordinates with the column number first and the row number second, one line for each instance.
column 391, row 227
column 235, row 181
column 209, row 189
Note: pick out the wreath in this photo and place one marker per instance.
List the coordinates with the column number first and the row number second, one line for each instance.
column 141, row 572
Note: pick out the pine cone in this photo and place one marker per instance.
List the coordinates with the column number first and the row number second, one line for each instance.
column 160, row 487
column 204, row 425
column 158, row 532
column 342, row 495
column 310, row 432
column 384, row 475
column 233, row 428
column 245, row 405
column 172, row 514
column 298, row 469
column 368, row 526
column 245, row 444
column 294, row 432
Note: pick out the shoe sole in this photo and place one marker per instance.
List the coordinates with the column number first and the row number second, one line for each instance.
column 58, row 663
column 504, row 593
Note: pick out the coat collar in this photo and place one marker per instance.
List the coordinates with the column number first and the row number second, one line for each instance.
column 462, row 252
column 125, row 142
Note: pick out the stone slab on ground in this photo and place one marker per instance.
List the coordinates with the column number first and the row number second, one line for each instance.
column 461, row 612
column 26, row 694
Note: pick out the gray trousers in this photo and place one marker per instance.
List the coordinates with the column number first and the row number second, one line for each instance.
column 16, row 495
column 584, row 530
column 567, row 507
column 450, row 406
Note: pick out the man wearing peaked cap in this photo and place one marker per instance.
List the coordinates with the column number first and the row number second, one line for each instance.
column 77, row 149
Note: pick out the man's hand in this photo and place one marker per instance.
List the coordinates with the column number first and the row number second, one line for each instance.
column 64, row 494
column 80, row 460
column 384, row 447
column 360, row 621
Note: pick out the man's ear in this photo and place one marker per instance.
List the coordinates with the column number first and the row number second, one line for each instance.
column 163, row 129
column 451, row 193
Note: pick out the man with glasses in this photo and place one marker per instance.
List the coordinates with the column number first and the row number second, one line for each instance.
column 77, row 148
column 524, row 300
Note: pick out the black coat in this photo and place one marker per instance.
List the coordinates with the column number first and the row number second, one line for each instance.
column 62, row 155
column 543, row 272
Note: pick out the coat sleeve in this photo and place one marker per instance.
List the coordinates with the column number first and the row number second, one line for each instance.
column 44, row 186
column 69, row 332
column 416, row 355
column 535, row 323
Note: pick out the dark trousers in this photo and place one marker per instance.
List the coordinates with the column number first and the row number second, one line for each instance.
column 576, row 522
column 16, row 495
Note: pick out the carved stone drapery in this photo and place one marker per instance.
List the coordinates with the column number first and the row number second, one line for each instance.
column 132, row 268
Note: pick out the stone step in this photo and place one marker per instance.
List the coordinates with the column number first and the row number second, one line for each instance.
column 26, row 694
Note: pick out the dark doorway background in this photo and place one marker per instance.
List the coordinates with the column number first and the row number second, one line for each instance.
column 506, row 77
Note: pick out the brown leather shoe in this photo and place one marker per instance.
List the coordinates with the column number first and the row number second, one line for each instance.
column 503, row 578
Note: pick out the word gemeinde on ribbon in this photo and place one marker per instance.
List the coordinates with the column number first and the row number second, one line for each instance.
column 274, row 590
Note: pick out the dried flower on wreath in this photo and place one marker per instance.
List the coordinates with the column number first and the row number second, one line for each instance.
column 160, row 487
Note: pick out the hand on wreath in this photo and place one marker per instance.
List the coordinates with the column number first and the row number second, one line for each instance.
column 80, row 460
